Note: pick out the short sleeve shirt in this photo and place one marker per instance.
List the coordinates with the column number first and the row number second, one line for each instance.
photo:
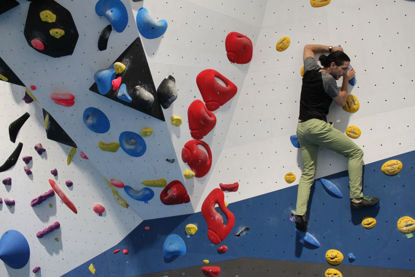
column 329, row 83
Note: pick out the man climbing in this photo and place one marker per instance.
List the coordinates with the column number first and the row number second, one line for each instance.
column 318, row 90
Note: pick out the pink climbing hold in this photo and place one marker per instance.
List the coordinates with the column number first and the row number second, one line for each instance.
column 125, row 251
column 116, row 183
column 222, row 249
column 7, row 181
column 27, row 159
column 211, row 271
column 65, row 99
column 36, row 269
column 116, row 83
column 54, row 172
column 98, row 208
column 27, row 170
column 9, row 202
column 39, row 148
column 49, row 229
column 42, row 197
column 83, row 156
column 37, row 44
column 69, row 183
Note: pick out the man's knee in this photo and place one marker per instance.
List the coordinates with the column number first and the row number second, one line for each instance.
column 357, row 153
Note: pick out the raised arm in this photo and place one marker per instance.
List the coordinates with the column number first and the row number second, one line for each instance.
column 311, row 49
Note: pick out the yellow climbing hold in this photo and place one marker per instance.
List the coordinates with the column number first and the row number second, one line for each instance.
column 145, row 132
column 319, row 3
column 56, row 32
column 121, row 201
column 302, row 71
column 290, row 177
column 176, row 120
column 70, row 155
column 392, row 167
column 283, row 44
column 47, row 16
column 50, row 205
column 352, row 104
column 406, row 224
column 57, row 239
column 332, row 272
column 91, row 268
column 119, row 67
column 3, row 78
column 189, row 174
column 353, row 132
column 191, row 229
column 205, row 261
column 334, row 257
column 155, row 183
column 368, row 222
column 31, row 95
column 47, row 121
column 110, row 147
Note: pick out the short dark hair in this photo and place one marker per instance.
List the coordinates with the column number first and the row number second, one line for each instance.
column 338, row 57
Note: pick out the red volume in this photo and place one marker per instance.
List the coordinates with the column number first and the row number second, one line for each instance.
column 198, row 160
column 238, row 48
column 174, row 193
column 201, row 120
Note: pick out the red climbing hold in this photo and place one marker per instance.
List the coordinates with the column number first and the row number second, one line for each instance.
column 174, row 193
column 222, row 249
column 98, row 208
column 37, row 44
column 229, row 187
column 201, row 120
column 198, row 160
column 211, row 271
column 238, row 48
column 217, row 231
column 116, row 83
column 215, row 94
column 125, row 251
column 62, row 196
column 83, row 156
column 116, row 251
column 33, row 87
column 65, row 99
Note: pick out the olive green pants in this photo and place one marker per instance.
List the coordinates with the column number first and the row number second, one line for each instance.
column 314, row 133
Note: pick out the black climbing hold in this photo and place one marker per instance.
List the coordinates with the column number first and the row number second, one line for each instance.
column 7, row 75
column 167, row 92
column 11, row 161
column 7, row 5
column 55, row 132
column 103, row 38
column 15, row 126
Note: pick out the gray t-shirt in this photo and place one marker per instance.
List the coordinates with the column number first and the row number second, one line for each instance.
column 329, row 83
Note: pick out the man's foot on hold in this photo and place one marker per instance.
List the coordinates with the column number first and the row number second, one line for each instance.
column 301, row 223
column 364, row 202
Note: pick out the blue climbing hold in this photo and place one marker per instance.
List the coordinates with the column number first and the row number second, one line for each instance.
column 148, row 27
column 14, row 249
column 103, row 78
column 174, row 246
column 144, row 194
column 331, row 188
column 96, row 120
column 306, row 237
column 132, row 143
column 294, row 141
column 123, row 94
column 351, row 257
column 115, row 12
column 352, row 81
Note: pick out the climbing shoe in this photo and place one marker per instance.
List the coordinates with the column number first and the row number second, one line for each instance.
column 301, row 223
column 365, row 202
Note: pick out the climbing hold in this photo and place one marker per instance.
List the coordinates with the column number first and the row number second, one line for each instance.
column 117, row 197
column 32, row 87
column 7, row 181
column 42, row 198
column 332, row 272
column 201, row 120
column 123, row 94
column 27, row 98
column 206, row 261
column 191, row 229
column 83, row 156
column 242, row 231
column 188, row 174
column 198, row 160
column 352, row 104
column 104, row 37
column 283, row 44
column 1, row 200
column 174, row 193
column 133, row 144
column 334, row 257
column 351, row 257
column 353, row 131
column 176, row 120
column 15, row 126
column 96, row 120
column 65, row 99
column 289, row 177
column 331, row 188
column 211, row 271
column 368, row 222
column 62, row 196
column 238, row 48
column 143, row 96
column 307, row 238
column 109, row 147
column 9, row 202
column 54, row 172
column 98, row 208
column 39, row 148
column 167, row 92
column 174, row 246
column 14, row 249
column 12, row 159
column 406, row 224
column 229, row 187
column 36, row 269
column 146, row 228
column 213, row 92
column 69, row 183
column 170, row 160
column 319, row 3
column 144, row 194
column 57, row 32
column 115, row 12
column 116, row 183
column 27, row 170
column 352, row 81
column 125, row 251
column 294, row 141
column 302, row 71
column 161, row 183
column 48, row 230
column 148, row 27
column 222, row 249
column 116, row 251
column 27, row 159
column 119, row 67
column 217, row 230
column 91, row 268
column 392, row 167
column 116, row 83
column 103, row 78
column 145, row 132
column 47, row 16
